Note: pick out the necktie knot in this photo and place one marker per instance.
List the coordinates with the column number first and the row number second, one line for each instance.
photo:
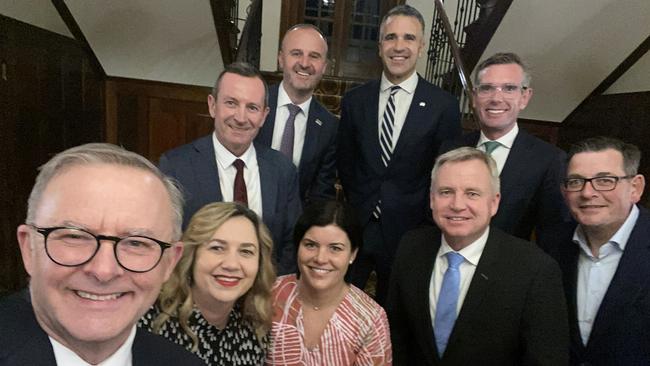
column 293, row 110
column 454, row 260
column 490, row 146
column 238, row 164
column 394, row 89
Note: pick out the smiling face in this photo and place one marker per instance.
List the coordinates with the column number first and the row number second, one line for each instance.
column 97, row 303
column 238, row 110
column 400, row 45
column 498, row 112
column 463, row 201
column 225, row 268
column 303, row 59
column 602, row 212
column 324, row 255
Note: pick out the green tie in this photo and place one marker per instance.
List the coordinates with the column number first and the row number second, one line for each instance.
column 490, row 146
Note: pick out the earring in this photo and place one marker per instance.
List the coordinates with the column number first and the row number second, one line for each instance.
column 351, row 261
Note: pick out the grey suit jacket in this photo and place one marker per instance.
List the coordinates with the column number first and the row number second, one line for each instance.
column 194, row 166
column 513, row 313
column 317, row 168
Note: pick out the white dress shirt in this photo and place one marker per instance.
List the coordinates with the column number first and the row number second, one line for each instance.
column 122, row 357
column 596, row 273
column 403, row 99
column 472, row 254
column 300, row 123
column 227, row 173
column 500, row 154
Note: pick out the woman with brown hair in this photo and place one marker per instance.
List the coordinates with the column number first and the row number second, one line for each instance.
column 217, row 302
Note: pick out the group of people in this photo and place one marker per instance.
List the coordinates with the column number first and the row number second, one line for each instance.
column 235, row 250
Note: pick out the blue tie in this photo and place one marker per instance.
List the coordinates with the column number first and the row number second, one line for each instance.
column 447, row 302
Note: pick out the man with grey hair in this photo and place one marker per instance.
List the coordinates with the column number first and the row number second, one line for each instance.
column 531, row 170
column 297, row 124
column 389, row 136
column 606, row 264
column 101, row 236
column 468, row 293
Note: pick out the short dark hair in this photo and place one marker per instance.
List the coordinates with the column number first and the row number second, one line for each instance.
column 324, row 213
column 503, row 58
column 242, row 69
column 404, row 10
column 631, row 153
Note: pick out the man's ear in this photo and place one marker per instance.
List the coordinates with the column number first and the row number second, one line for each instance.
column 638, row 185
column 24, row 235
column 175, row 254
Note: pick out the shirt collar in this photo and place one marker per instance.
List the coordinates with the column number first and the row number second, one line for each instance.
column 225, row 158
column 283, row 100
column 122, row 357
column 619, row 238
column 506, row 140
column 472, row 253
column 408, row 85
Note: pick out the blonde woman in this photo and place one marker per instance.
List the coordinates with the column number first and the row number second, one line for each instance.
column 217, row 303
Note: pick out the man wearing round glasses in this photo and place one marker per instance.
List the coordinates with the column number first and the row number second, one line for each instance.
column 101, row 236
column 530, row 169
column 607, row 267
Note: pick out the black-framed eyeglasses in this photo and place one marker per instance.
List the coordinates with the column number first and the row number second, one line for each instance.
column 486, row 90
column 71, row 247
column 602, row 183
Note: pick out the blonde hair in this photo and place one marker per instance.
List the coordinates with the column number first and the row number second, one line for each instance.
column 175, row 299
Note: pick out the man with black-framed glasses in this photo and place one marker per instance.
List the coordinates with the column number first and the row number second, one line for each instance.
column 606, row 267
column 101, row 236
column 530, row 169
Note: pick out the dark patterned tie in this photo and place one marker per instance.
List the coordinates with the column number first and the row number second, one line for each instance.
column 387, row 124
column 239, row 192
column 286, row 146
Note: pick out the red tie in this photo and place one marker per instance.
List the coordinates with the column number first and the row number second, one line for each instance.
column 239, row 192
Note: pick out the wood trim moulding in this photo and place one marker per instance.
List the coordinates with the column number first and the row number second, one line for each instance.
column 77, row 33
column 629, row 61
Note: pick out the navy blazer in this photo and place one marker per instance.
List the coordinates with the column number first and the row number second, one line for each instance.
column 194, row 166
column 513, row 313
column 24, row 343
column 621, row 331
column 317, row 168
column 530, row 189
column 403, row 186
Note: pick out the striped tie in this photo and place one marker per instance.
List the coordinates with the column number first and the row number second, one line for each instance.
column 387, row 124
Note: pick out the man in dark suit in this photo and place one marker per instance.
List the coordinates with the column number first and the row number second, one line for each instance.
column 101, row 236
column 308, row 135
column 531, row 169
column 468, row 293
column 227, row 166
column 390, row 132
column 607, row 266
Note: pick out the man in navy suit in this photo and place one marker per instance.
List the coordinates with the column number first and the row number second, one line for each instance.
column 308, row 138
column 227, row 166
column 468, row 293
column 389, row 135
column 607, row 266
column 531, row 170
column 101, row 236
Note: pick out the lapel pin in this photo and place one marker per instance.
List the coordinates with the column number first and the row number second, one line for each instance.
column 319, row 122
column 422, row 104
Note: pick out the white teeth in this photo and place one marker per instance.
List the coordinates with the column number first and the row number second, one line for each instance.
column 227, row 279
column 302, row 73
column 89, row 296
column 320, row 270
column 496, row 111
column 457, row 218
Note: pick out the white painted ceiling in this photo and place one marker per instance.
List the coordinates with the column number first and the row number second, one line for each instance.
column 572, row 45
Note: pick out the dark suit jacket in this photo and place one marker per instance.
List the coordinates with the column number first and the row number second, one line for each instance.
column 513, row 313
column 24, row 343
column 621, row 331
column 194, row 166
column 317, row 169
column 530, row 189
column 403, row 186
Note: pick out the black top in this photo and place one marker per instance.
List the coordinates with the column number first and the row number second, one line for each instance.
column 234, row 345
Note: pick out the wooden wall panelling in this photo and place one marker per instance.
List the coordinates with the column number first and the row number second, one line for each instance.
column 49, row 102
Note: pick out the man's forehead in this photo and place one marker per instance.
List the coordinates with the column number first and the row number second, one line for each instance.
column 608, row 160
column 416, row 30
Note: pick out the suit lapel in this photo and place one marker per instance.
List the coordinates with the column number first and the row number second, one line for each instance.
column 417, row 119
column 268, row 183
column 626, row 286
column 265, row 136
column 205, row 170
column 421, row 299
column 569, row 262
column 312, row 133
column 520, row 156
column 369, row 126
